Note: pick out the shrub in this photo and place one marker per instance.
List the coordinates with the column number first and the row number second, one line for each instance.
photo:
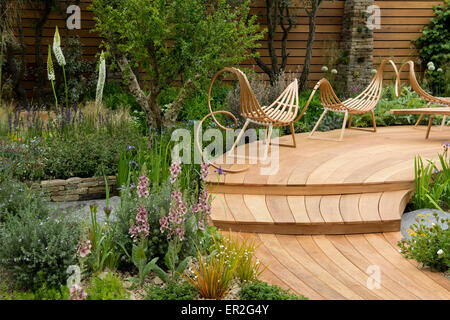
column 434, row 47
column 172, row 291
column 80, row 73
column 258, row 290
column 115, row 96
column 36, row 251
column 21, row 160
column 16, row 197
column 73, row 144
column 110, row 287
column 428, row 245
column 43, row 293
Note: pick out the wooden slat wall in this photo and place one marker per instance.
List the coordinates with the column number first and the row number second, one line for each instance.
column 401, row 22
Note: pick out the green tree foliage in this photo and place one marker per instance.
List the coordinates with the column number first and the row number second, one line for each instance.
column 174, row 43
column 434, row 43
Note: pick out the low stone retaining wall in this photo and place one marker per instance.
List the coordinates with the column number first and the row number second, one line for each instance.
column 77, row 189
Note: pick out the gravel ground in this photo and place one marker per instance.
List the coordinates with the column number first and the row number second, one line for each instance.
column 409, row 218
column 80, row 209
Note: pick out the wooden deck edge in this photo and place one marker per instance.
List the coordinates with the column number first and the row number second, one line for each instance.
column 309, row 228
column 310, row 190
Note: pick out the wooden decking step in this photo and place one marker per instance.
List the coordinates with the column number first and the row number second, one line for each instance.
column 359, row 185
column 329, row 214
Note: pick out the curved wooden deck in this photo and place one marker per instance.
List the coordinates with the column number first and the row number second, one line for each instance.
column 359, row 185
column 338, row 267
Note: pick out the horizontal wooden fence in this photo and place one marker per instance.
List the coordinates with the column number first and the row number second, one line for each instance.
column 401, row 22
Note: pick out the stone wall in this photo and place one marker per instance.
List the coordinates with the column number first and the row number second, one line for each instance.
column 78, row 189
column 356, row 47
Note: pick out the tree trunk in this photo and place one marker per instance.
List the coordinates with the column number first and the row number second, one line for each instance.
column 303, row 80
column 40, row 67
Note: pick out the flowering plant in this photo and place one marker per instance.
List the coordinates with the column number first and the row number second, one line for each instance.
column 139, row 232
column 429, row 245
column 174, row 226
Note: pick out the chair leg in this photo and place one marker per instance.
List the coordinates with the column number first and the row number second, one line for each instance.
column 443, row 122
column 421, row 116
column 343, row 126
column 318, row 122
column 269, row 135
column 293, row 134
column 350, row 121
column 430, row 122
column 373, row 121
column 241, row 133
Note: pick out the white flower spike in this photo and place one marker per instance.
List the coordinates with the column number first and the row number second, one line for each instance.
column 57, row 49
column 101, row 80
column 50, row 69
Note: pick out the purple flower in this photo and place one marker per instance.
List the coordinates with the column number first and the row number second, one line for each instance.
column 130, row 147
column 219, row 171
column 136, row 166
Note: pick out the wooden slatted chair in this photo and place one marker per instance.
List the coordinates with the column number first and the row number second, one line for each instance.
column 441, row 101
column 365, row 102
column 284, row 111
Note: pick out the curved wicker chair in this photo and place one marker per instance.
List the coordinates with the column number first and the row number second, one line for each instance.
column 284, row 111
column 422, row 93
column 365, row 102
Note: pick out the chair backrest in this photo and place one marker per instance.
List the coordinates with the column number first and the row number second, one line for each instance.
column 415, row 85
column 285, row 107
column 250, row 107
column 372, row 94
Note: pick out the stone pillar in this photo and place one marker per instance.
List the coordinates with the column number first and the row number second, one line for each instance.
column 356, row 61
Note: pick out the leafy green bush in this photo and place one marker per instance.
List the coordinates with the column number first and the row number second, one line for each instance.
column 115, row 96
column 172, row 291
column 259, row 290
column 428, row 245
column 16, row 197
column 43, row 293
column 80, row 73
column 82, row 149
column 22, row 160
column 36, row 251
column 110, row 287
column 434, row 46
column 331, row 121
